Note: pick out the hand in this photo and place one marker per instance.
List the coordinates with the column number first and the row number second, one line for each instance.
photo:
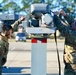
column 22, row 18
column 56, row 12
column 62, row 12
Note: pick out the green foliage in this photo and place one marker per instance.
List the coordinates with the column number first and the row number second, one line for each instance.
column 4, row 1
column 11, row 5
column 14, row 6
column 36, row 1
column 74, row 1
column 26, row 4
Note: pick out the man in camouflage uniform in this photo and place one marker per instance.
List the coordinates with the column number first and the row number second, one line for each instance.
column 69, row 32
column 4, row 45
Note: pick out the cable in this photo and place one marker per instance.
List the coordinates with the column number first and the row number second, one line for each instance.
column 57, row 54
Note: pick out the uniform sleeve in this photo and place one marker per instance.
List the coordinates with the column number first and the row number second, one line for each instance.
column 15, row 25
column 65, row 30
column 1, row 48
column 4, row 48
column 69, row 18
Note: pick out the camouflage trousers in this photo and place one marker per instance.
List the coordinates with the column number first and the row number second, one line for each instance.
column 70, row 69
column 0, row 66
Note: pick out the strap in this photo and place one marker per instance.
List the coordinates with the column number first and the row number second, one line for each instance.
column 57, row 53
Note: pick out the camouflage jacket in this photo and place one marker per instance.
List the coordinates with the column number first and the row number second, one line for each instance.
column 4, row 45
column 70, row 38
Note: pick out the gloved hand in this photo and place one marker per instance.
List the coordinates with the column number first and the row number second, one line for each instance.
column 56, row 13
column 22, row 18
column 62, row 12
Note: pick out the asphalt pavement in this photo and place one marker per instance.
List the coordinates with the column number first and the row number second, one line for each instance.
column 19, row 58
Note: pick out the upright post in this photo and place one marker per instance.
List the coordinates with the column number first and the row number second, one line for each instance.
column 38, row 56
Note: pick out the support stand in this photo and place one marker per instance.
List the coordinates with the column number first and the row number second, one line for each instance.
column 38, row 62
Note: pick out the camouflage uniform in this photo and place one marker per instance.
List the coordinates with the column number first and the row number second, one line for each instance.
column 70, row 44
column 4, row 46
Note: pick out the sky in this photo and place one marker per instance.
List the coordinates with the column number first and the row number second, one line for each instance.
column 17, row 1
column 11, row 0
column 0, row 1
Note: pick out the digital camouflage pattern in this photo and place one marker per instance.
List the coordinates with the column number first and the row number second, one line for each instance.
column 4, row 46
column 15, row 25
column 70, row 44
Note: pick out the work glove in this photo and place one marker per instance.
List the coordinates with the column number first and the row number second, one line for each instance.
column 22, row 18
column 62, row 12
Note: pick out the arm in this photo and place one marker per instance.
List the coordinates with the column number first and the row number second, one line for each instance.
column 65, row 30
column 67, row 16
column 15, row 25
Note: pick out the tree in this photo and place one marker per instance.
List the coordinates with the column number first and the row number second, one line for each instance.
column 0, row 7
column 4, row 1
column 26, row 6
column 74, row 1
column 13, row 6
column 7, row 5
